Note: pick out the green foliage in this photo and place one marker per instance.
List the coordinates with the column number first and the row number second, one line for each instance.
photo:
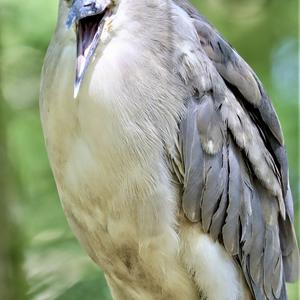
column 263, row 31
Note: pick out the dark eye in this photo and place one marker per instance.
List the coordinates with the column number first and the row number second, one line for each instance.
column 69, row 2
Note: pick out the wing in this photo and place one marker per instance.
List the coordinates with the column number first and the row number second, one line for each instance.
column 231, row 159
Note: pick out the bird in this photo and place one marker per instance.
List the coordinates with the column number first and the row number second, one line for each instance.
column 167, row 153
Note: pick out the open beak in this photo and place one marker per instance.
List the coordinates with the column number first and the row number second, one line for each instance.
column 88, row 17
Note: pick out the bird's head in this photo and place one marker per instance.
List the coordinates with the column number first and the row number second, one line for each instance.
column 87, row 18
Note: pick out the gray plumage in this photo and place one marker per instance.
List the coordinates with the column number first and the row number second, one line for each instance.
column 171, row 147
column 245, row 171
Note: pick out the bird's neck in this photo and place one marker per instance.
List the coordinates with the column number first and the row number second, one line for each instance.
column 148, row 20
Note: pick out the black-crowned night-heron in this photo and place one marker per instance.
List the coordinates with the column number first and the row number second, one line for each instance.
column 167, row 154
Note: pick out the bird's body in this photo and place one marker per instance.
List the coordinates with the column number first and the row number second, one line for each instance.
column 118, row 157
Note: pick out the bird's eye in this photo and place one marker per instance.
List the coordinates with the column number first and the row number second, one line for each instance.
column 68, row 2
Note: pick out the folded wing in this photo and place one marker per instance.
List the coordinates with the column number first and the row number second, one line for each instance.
column 235, row 174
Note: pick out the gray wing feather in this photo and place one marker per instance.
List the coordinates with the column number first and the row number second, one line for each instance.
column 237, row 72
column 213, row 188
column 218, row 217
column 230, row 230
column 290, row 253
column 193, row 162
column 210, row 125
column 235, row 166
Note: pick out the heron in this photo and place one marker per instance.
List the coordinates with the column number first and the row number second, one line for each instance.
column 167, row 154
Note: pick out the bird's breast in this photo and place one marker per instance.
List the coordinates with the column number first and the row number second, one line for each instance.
column 106, row 150
column 117, row 196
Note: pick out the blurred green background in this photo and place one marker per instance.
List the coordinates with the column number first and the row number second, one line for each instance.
column 39, row 258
